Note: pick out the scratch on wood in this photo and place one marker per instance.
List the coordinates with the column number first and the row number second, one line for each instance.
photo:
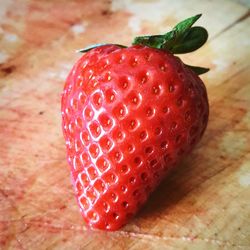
column 140, row 235
column 240, row 19
column 182, row 238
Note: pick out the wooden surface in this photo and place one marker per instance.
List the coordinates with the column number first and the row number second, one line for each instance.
column 204, row 204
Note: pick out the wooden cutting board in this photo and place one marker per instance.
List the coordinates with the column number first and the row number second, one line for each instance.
column 204, row 204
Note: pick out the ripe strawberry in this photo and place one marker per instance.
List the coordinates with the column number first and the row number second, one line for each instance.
column 129, row 115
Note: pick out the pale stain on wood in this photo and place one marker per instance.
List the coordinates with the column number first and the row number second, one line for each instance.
column 204, row 204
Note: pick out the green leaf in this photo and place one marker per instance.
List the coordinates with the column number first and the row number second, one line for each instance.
column 179, row 33
column 198, row 70
column 186, row 24
column 183, row 38
column 86, row 49
column 195, row 38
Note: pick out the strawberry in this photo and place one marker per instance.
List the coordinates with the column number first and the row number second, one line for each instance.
column 129, row 115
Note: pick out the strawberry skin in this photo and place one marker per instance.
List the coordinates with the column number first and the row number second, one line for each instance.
column 129, row 115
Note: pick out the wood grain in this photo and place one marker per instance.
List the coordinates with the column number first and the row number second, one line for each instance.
column 204, row 204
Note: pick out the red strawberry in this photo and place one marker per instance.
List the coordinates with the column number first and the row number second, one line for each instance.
column 129, row 115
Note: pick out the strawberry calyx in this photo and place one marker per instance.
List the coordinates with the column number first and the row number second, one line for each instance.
column 183, row 38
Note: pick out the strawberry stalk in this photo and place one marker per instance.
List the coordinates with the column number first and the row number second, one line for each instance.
column 183, row 38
